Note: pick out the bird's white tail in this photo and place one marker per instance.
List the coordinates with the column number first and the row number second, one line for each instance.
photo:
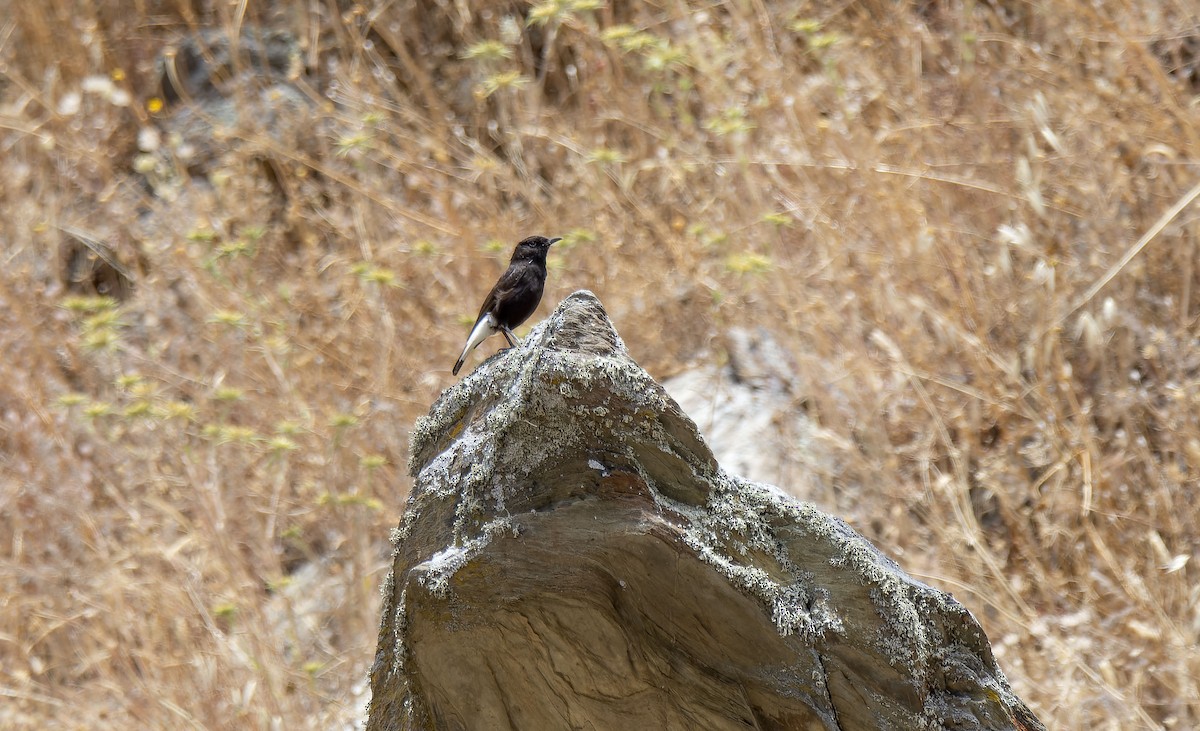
column 485, row 328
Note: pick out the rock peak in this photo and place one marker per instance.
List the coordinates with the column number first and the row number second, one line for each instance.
column 580, row 325
column 571, row 555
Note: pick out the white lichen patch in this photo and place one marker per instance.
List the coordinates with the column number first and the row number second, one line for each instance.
column 436, row 572
column 498, row 498
column 795, row 608
column 399, row 632
column 805, row 610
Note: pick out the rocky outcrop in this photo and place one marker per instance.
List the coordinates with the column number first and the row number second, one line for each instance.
column 572, row 556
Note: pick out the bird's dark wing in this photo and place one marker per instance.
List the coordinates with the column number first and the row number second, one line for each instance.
column 523, row 298
column 516, row 285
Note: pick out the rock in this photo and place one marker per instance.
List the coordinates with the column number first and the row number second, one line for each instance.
column 750, row 409
column 227, row 102
column 572, row 556
column 204, row 64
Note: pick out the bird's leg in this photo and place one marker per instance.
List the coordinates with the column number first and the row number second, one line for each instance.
column 513, row 340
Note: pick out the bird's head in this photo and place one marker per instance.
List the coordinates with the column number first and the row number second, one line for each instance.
column 533, row 248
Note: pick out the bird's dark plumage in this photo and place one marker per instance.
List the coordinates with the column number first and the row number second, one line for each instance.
column 514, row 298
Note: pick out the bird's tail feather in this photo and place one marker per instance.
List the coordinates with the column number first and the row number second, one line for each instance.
column 484, row 328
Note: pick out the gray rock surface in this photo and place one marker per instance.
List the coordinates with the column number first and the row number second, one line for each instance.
column 749, row 405
column 572, row 556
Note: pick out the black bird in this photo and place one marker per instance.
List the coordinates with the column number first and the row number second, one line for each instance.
column 515, row 296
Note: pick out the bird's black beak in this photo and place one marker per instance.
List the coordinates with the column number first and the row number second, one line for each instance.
column 556, row 239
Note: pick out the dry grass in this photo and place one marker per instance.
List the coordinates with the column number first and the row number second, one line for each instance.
column 197, row 481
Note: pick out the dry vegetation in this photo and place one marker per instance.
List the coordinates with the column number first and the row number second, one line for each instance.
column 224, row 300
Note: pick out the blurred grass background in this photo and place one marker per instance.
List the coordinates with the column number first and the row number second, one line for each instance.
column 242, row 243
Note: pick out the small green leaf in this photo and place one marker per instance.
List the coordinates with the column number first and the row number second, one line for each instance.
column 71, row 399
column 282, row 444
column 201, row 234
column 97, row 408
column 748, row 263
column 103, row 339
column 228, row 317
column 88, row 304
column 605, row 156
column 137, row 408
column 504, row 80
column 544, row 12
column 807, row 26
column 229, row 393
column 489, row 50
column 373, row 461
column 342, row 421
column 128, row 380
column 178, row 410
